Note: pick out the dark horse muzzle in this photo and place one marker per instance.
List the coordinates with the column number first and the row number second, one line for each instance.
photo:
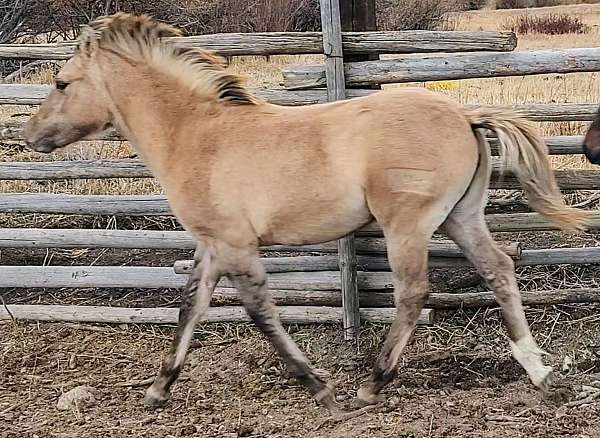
column 591, row 142
column 591, row 145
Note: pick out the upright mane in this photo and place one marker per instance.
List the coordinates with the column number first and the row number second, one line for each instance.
column 139, row 38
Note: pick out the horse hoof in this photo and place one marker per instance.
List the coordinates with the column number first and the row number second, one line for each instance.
column 366, row 398
column 546, row 380
column 153, row 399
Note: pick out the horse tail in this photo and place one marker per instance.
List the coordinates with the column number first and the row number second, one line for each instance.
column 524, row 154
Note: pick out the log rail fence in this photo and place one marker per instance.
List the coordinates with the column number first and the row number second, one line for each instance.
column 326, row 282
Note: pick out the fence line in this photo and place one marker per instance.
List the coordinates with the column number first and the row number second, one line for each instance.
column 11, row 131
column 157, row 205
column 294, row 43
column 168, row 315
column 373, row 299
column 19, row 94
column 456, row 66
column 149, row 239
column 144, row 277
column 527, row 257
column 135, row 168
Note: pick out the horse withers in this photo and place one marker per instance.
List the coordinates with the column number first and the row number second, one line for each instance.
column 239, row 173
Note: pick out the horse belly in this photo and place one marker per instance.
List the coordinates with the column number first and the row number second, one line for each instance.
column 325, row 216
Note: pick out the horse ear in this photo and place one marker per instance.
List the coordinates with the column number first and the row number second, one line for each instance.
column 88, row 40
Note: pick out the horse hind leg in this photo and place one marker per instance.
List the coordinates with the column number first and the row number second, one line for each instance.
column 248, row 276
column 195, row 300
column 468, row 229
column 407, row 253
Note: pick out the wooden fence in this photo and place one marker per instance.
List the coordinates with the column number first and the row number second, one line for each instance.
column 307, row 285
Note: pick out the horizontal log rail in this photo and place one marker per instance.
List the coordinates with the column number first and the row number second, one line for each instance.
column 157, row 205
column 11, row 132
column 531, row 257
column 20, row 94
column 78, row 238
column 134, row 168
column 169, row 315
column 456, row 66
column 142, row 277
column 150, row 239
column 502, row 222
column 294, row 43
column 446, row 301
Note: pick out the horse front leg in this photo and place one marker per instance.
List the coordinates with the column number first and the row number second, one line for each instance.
column 195, row 300
column 248, row 276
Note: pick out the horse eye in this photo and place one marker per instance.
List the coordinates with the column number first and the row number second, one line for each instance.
column 60, row 85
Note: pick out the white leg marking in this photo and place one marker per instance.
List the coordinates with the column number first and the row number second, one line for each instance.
column 529, row 355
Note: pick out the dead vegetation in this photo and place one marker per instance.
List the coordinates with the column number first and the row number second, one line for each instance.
column 551, row 24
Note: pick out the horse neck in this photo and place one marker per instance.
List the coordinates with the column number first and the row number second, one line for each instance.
column 149, row 108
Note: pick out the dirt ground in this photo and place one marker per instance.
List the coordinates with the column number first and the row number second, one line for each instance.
column 456, row 379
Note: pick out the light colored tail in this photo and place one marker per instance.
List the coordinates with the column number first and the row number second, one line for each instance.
column 524, row 154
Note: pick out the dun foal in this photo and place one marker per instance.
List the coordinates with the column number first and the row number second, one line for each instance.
column 239, row 173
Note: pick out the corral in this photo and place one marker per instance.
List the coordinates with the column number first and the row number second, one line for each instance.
column 299, row 280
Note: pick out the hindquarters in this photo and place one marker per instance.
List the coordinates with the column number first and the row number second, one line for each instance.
column 421, row 159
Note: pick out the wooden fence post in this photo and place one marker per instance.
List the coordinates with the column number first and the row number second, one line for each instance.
column 336, row 90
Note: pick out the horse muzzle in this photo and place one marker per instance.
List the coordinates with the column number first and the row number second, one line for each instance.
column 593, row 156
column 591, row 146
column 44, row 145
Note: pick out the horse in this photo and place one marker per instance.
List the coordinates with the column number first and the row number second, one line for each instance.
column 591, row 141
column 240, row 173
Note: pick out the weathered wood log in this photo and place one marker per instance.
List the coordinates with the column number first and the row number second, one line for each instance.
column 78, row 238
column 80, row 169
column 531, row 257
column 457, row 66
column 291, row 43
column 507, row 222
column 230, row 297
column 122, row 168
column 110, row 205
column 530, row 298
column 329, row 262
column 94, row 238
column 147, row 205
column 127, row 168
column 168, row 315
column 336, row 90
column 289, row 300
column 164, row 277
column 20, row 94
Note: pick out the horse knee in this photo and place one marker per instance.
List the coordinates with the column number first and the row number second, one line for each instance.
column 504, row 264
column 501, row 274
